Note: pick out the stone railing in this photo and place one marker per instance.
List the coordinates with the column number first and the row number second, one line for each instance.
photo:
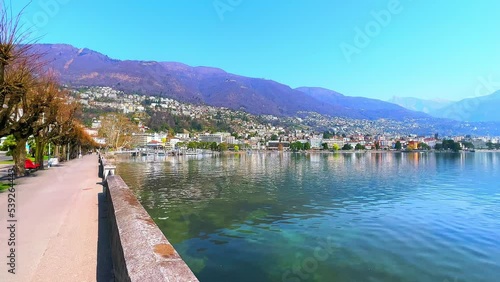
column 139, row 250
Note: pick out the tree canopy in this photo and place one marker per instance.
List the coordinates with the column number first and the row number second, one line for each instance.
column 32, row 103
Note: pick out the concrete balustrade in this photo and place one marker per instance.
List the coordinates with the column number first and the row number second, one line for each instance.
column 108, row 170
column 140, row 251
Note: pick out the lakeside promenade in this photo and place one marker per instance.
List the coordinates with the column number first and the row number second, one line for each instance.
column 57, row 212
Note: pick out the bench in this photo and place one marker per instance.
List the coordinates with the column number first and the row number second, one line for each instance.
column 53, row 161
column 30, row 166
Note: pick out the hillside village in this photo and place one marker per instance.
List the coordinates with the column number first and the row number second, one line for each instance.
column 247, row 131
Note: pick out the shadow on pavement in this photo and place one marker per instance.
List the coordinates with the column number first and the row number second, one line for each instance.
column 104, row 261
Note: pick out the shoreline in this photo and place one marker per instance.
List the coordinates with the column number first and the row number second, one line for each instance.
column 249, row 152
column 364, row 151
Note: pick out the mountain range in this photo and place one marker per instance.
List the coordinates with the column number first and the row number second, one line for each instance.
column 211, row 86
column 216, row 87
column 477, row 109
column 420, row 105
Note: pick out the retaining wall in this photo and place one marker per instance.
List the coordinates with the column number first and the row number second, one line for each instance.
column 140, row 251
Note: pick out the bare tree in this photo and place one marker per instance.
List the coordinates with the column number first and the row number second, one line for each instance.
column 15, row 51
column 26, row 118
column 59, row 112
column 118, row 130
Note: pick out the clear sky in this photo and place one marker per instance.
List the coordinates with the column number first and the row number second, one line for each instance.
column 447, row 49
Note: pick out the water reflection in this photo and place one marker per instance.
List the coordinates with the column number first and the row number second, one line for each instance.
column 390, row 216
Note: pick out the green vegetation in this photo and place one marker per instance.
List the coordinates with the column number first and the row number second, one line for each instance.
column 448, row 145
column 423, row 146
column 299, row 146
column 4, row 186
column 166, row 121
column 347, row 147
column 307, row 146
column 193, row 145
column 492, row 146
column 328, row 134
column 9, row 145
column 398, row 146
column 469, row 145
column 359, row 147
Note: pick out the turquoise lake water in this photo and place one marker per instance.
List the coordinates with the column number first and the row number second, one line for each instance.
column 327, row 217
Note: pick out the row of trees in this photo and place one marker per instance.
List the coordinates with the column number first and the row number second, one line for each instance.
column 448, row 145
column 445, row 145
column 492, row 146
column 192, row 145
column 299, row 146
column 32, row 103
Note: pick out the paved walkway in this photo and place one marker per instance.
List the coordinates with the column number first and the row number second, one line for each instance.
column 4, row 157
column 57, row 227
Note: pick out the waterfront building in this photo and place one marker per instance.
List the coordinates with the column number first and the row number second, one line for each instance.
column 217, row 138
column 141, row 139
column 276, row 145
column 330, row 142
column 316, row 143
column 412, row 145
column 182, row 136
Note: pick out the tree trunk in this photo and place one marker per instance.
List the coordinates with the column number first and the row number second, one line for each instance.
column 19, row 156
column 56, row 152
column 40, row 147
column 62, row 151
column 68, row 152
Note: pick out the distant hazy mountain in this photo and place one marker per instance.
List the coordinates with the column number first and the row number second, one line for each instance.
column 481, row 109
column 368, row 108
column 419, row 105
column 212, row 86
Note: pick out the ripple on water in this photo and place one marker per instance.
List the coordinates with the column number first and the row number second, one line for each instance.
column 259, row 216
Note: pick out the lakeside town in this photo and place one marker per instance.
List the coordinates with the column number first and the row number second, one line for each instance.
column 246, row 131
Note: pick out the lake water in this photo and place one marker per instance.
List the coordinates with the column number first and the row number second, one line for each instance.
column 327, row 217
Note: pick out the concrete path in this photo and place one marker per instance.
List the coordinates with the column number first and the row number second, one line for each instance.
column 4, row 157
column 57, row 224
column 4, row 167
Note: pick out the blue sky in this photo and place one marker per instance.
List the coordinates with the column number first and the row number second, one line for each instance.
column 428, row 49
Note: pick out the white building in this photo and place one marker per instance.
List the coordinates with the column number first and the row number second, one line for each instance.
column 231, row 140
column 316, row 143
column 217, row 138
column 331, row 142
column 157, row 137
column 182, row 136
column 141, row 139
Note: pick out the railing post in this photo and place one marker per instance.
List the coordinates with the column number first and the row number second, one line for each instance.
column 101, row 168
column 108, row 170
